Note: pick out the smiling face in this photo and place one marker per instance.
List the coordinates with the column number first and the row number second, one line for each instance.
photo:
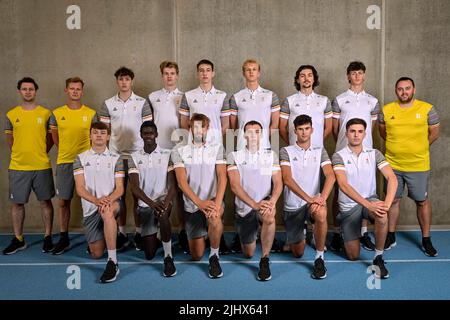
column 149, row 135
column 306, row 79
column 405, row 91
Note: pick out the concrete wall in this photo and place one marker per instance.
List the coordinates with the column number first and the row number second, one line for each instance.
column 281, row 34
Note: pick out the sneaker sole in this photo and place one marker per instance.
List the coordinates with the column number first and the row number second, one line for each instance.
column 48, row 251
column 429, row 255
column 377, row 275
column 267, row 279
column 18, row 249
column 113, row 279
column 62, row 251
column 170, row 275
column 368, row 249
column 215, row 277
column 318, row 278
column 126, row 244
column 391, row 246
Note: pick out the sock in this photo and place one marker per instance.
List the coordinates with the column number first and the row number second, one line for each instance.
column 122, row 230
column 167, row 246
column 363, row 230
column 138, row 230
column 214, row 252
column 319, row 254
column 64, row 235
column 424, row 239
column 20, row 237
column 378, row 253
column 112, row 255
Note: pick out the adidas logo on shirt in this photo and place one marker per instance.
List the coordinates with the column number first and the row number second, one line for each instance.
column 63, row 118
column 243, row 100
column 17, row 120
column 88, row 164
column 295, row 159
column 140, row 162
column 195, row 101
column 158, row 100
column 347, row 101
column 115, row 109
column 392, row 118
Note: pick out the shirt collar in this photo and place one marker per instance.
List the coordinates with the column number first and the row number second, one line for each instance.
column 355, row 94
column 104, row 153
column 174, row 91
column 131, row 98
column 301, row 94
column 212, row 91
column 301, row 149
column 259, row 89
column 364, row 150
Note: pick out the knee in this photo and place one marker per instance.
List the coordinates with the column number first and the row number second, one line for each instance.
column 248, row 255
column 352, row 256
column 96, row 254
column 196, row 257
column 422, row 203
column 321, row 217
column 382, row 220
column 215, row 222
column 45, row 204
column 269, row 220
column 297, row 254
column 149, row 255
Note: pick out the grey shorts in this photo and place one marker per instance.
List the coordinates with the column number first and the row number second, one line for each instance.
column 65, row 183
column 149, row 222
column 294, row 223
column 22, row 182
column 93, row 227
column 196, row 224
column 417, row 183
column 351, row 221
column 247, row 226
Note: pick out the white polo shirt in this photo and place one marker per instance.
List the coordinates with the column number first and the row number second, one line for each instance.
column 165, row 106
column 349, row 105
column 125, row 118
column 305, row 168
column 200, row 164
column 256, row 105
column 100, row 171
column 152, row 169
column 213, row 104
column 316, row 106
column 255, row 171
column 360, row 171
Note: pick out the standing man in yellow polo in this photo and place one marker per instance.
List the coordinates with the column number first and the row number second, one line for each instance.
column 70, row 125
column 29, row 139
column 409, row 127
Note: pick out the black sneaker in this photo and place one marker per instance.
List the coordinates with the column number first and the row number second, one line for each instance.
column 48, row 244
column 428, row 248
column 336, row 242
column 264, row 269
column 14, row 246
column 122, row 241
column 236, row 245
column 88, row 250
column 276, row 246
column 366, row 242
column 111, row 272
column 214, row 270
column 62, row 246
column 390, row 241
column 138, row 241
column 169, row 267
column 379, row 268
column 183, row 241
column 223, row 248
column 319, row 270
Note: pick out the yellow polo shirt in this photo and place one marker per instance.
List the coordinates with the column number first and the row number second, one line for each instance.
column 407, row 145
column 73, row 127
column 29, row 129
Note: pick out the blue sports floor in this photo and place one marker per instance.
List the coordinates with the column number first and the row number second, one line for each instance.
column 31, row 274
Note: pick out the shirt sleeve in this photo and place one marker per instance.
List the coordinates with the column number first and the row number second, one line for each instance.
column 225, row 111
column 231, row 162
column 220, row 157
column 132, row 168
column 119, row 169
column 78, row 166
column 8, row 126
column 375, row 111
column 147, row 114
column 338, row 162
column 336, row 109
column 285, row 111
column 275, row 106
column 381, row 117
column 103, row 114
column 433, row 117
column 276, row 162
column 324, row 158
column 184, row 107
column 176, row 161
column 284, row 158
column 52, row 122
column 380, row 159
column 233, row 106
column 328, row 112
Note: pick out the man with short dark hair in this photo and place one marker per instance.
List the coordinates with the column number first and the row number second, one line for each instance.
column 355, row 167
column 409, row 127
column 125, row 113
column 29, row 140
